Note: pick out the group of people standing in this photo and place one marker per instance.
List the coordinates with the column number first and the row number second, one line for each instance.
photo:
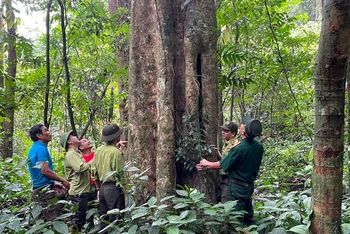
column 88, row 175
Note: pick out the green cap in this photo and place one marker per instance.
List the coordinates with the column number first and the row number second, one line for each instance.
column 64, row 139
column 253, row 127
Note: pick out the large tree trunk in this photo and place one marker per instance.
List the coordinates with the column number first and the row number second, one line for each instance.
column 172, row 73
column 201, row 83
column 329, row 117
column 151, row 78
column 10, row 83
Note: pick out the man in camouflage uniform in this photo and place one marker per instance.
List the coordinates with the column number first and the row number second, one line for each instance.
column 229, row 133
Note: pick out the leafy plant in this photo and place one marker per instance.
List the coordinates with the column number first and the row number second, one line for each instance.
column 192, row 144
column 184, row 213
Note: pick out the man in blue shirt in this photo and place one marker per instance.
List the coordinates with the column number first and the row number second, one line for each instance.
column 42, row 174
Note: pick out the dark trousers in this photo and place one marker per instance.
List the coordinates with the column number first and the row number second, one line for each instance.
column 224, row 188
column 111, row 197
column 81, row 202
column 243, row 195
column 45, row 197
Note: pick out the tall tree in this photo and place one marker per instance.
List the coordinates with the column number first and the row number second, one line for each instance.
column 66, row 67
column 10, row 82
column 172, row 74
column 47, row 118
column 122, row 54
column 333, row 54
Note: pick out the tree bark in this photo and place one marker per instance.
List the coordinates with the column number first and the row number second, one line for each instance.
column 329, row 117
column 200, row 40
column 48, row 75
column 172, row 74
column 122, row 53
column 10, row 83
column 66, row 67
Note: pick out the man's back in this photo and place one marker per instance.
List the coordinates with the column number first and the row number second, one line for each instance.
column 243, row 161
column 107, row 158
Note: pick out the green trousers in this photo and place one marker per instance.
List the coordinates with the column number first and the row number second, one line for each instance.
column 243, row 195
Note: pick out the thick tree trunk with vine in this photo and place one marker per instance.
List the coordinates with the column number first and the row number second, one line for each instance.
column 122, row 54
column 10, row 83
column 172, row 74
column 200, row 38
column 327, row 175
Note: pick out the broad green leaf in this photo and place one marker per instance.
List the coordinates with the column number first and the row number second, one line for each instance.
column 180, row 205
column 132, row 229
column 166, row 198
column 152, row 201
column 139, row 215
column 300, row 229
column 60, row 227
column 345, row 227
column 159, row 222
column 197, row 196
column 182, row 193
column 36, row 211
column 48, row 232
column 172, row 230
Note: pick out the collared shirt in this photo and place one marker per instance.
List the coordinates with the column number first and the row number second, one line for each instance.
column 107, row 159
column 229, row 145
column 77, row 173
column 243, row 161
column 37, row 155
column 88, row 158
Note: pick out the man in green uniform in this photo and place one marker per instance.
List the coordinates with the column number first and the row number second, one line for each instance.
column 77, row 173
column 108, row 161
column 242, row 165
column 228, row 132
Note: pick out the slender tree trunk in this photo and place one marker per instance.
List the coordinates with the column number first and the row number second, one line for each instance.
column 329, row 117
column 48, row 75
column 2, row 54
column 348, row 119
column 66, row 67
column 122, row 53
column 10, row 83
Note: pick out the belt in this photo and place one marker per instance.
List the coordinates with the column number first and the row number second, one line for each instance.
column 231, row 180
column 109, row 182
column 45, row 186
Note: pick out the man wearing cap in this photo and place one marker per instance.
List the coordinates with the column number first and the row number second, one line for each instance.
column 43, row 177
column 77, row 173
column 108, row 161
column 242, row 165
column 229, row 133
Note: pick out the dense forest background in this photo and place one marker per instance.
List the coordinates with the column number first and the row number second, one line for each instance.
column 80, row 74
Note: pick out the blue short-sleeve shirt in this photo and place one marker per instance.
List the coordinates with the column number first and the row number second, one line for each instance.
column 37, row 155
